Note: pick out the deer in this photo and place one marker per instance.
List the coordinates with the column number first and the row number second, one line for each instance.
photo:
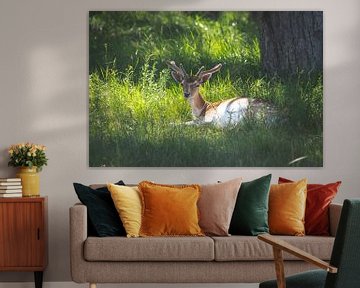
column 229, row 112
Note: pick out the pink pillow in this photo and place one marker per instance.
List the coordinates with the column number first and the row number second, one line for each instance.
column 216, row 206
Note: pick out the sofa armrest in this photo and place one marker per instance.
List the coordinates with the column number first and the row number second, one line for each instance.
column 78, row 235
column 334, row 217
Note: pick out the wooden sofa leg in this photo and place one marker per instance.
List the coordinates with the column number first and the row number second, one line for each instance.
column 92, row 285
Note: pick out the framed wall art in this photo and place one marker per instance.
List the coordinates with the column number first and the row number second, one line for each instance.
column 205, row 89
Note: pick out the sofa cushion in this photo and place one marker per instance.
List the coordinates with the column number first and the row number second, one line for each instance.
column 216, row 205
column 245, row 248
column 169, row 210
column 102, row 215
column 318, row 199
column 127, row 201
column 149, row 249
column 287, row 204
column 250, row 215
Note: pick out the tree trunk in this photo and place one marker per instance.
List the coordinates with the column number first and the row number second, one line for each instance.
column 291, row 41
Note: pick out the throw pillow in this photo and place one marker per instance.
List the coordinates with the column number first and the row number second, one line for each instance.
column 102, row 214
column 250, row 215
column 287, row 204
column 127, row 201
column 169, row 210
column 319, row 197
column 216, row 206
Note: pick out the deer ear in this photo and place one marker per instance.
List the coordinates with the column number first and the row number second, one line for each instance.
column 177, row 76
column 204, row 77
column 207, row 74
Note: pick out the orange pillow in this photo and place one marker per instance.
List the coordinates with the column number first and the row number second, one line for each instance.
column 169, row 210
column 287, row 204
column 318, row 199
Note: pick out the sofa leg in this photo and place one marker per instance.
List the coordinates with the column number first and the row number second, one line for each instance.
column 92, row 285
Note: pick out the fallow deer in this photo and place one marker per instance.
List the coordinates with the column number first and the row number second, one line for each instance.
column 222, row 113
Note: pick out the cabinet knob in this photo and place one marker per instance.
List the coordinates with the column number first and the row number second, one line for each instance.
column 38, row 234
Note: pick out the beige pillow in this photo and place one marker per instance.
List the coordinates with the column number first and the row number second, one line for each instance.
column 216, row 206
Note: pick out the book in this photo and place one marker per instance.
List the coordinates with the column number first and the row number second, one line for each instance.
column 5, row 195
column 10, row 179
column 10, row 191
column 9, row 187
column 9, row 183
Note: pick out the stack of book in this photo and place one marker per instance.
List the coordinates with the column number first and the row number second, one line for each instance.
column 10, row 187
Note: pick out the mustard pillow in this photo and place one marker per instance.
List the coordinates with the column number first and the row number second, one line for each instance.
column 127, row 201
column 287, row 204
column 169, row 210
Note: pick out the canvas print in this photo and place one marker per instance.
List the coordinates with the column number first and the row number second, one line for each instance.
column 205, row 89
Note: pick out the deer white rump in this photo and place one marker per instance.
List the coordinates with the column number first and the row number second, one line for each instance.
column 223, row 113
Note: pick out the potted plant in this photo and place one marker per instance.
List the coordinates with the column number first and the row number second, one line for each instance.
column 30, row 158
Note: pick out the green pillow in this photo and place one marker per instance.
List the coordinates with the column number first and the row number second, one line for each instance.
column 250, row 216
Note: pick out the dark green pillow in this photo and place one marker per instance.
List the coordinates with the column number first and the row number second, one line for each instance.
column 103, row 218
column 250, row 216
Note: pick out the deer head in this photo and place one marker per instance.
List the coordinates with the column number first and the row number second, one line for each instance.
column 191, row 83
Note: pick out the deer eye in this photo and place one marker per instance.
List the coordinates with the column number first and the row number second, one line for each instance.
column 195, row 84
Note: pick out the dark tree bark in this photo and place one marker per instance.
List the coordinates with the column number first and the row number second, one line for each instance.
column 291, row 41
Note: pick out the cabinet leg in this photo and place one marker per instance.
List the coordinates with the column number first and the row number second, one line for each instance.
column 38, row 279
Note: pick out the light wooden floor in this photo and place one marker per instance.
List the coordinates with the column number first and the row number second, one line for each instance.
column 74, row 285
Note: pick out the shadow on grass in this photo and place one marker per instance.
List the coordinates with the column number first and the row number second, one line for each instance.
column 207, row 147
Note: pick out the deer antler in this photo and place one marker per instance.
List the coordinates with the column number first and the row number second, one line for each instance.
column 180, row 70
column 199, row 71
column 210, row 71
column 183, row 70
column 172, row 66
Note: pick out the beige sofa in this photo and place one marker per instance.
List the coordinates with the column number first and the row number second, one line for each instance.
column 234, row 259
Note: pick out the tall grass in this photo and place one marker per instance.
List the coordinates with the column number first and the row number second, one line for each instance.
column 137, row 111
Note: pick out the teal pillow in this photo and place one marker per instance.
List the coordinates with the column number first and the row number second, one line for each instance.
column 250, row 216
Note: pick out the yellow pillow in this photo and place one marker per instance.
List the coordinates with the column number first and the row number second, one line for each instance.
column 127, row 201
column 169, row 210
column 287, row 204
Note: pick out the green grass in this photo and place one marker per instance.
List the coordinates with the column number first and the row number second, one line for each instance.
column 137, row 111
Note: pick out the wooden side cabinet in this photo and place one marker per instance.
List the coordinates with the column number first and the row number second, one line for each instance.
column 23, row 235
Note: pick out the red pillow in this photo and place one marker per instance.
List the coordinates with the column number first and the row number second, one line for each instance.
column 319, row 197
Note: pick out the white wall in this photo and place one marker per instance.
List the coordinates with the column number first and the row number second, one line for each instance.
column 43, row 90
